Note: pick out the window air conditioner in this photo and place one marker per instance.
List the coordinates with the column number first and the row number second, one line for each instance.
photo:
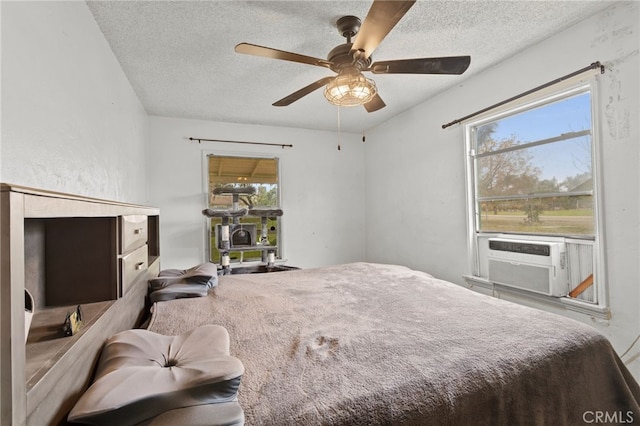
column 537, row 266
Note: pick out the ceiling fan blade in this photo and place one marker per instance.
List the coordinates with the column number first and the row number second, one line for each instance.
column 288, row 100
column 267, row 52
column 375, row 104
column 447, row 65
column 382, row 17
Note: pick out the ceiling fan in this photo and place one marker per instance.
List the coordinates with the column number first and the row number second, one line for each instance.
column 350, row 87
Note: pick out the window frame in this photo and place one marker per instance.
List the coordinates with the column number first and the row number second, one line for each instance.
column 208, row 233
column 554, row 93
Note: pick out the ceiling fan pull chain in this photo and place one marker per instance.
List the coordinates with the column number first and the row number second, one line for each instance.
column 339, row 130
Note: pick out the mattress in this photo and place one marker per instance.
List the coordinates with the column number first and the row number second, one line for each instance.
column 376, row 344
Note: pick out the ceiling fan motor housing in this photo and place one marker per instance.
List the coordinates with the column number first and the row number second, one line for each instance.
column 341, row 58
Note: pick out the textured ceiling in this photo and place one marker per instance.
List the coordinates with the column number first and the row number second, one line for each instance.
column 179, row 56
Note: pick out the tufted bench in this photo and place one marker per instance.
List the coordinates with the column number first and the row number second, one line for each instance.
column 147, row 377
column 179, row 283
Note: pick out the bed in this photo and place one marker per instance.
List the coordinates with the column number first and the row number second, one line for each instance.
column 375, row 344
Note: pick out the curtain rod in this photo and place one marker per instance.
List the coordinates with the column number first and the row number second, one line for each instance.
column 282, row 145
column 593, row 66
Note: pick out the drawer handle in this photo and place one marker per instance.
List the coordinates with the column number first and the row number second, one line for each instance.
column 138, row 230
column 139, row 266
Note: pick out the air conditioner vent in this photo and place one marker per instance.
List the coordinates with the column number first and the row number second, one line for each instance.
column 520, row 247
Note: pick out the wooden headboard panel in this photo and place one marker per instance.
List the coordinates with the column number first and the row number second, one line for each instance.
column 66, row 250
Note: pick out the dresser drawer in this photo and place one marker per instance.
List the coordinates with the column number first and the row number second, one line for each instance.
column 132, row 266
column 133, row 229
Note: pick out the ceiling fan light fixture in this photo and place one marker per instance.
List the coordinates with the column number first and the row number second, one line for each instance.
column 350, row 88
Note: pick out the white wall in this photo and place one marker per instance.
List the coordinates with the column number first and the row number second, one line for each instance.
column 322, row 189
column 70, row 120
column 422, row 174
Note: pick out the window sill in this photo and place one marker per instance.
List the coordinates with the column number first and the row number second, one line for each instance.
column 559, row 302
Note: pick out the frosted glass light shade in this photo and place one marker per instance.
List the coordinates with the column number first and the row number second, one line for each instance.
column 350, row 88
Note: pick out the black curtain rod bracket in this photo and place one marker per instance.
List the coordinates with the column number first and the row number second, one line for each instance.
column 282, row 145
column 593, row 66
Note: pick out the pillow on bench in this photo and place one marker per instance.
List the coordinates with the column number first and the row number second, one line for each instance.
column 181, row 283
column 142, row 374
column 178, row 291
column 205, row 274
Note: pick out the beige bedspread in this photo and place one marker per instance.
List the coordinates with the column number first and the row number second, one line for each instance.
column 374, row 344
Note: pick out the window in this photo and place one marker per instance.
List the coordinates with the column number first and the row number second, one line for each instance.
column 531, row 176
column 533, row 170
column 236, row 172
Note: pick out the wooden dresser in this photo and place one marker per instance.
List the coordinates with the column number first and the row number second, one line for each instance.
column 66, row 251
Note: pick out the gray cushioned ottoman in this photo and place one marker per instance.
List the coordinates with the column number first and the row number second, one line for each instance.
column 142, row 374
column 223, row 414
column 182, row 283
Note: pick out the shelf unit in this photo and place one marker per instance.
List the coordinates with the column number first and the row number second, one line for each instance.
column 66, row 250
